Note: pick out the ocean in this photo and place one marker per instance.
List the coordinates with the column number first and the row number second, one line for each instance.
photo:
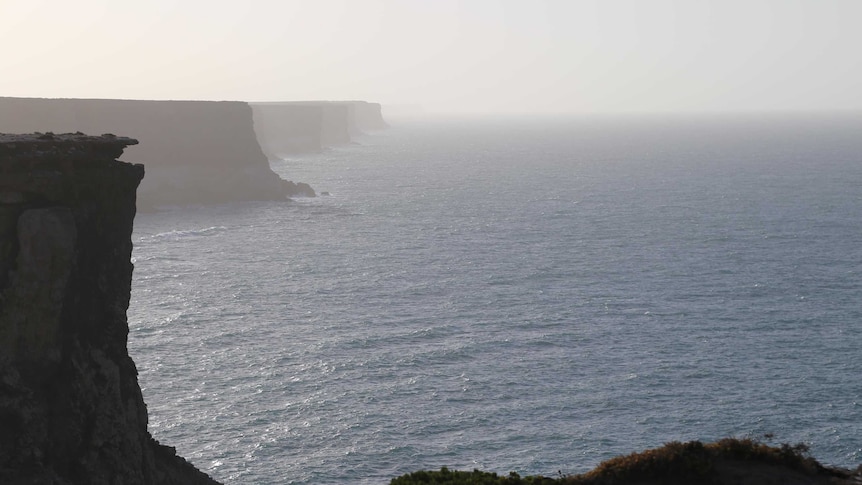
column 513, row 294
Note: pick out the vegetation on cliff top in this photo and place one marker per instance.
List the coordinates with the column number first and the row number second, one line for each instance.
column 729, row 460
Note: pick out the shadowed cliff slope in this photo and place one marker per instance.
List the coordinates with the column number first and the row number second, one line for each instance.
column 71, row 410
column 194, row 151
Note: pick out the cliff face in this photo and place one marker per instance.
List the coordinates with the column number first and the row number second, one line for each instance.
column 367, row 116
column 290, row 127
column 194, row 151
column 71, row 410
column 336, row 123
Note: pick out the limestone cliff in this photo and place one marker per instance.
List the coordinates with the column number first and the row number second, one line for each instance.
column 290, row 127
column 71, row 410
column 367, row 116
column 194, row 151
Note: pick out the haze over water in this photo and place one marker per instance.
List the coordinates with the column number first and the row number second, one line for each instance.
column 534, row 293
column 512, row 294
column 477, row 56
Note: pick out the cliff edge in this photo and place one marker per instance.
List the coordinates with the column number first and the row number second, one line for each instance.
column 195, row 152
column 71, row 409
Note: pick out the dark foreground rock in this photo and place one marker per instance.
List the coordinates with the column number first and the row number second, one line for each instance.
column 71, row 410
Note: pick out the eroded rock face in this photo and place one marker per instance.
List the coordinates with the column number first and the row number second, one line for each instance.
column 71, row 410
column 46, row 249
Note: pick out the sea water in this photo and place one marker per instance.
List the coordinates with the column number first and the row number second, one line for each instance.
column 530, row 295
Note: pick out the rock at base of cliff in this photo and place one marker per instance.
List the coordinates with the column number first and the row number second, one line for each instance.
column 300, row 189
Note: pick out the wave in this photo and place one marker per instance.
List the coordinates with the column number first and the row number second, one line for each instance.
column 182, row 234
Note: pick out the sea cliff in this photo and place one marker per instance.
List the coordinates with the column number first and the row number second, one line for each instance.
column 71, row 409
column 290, row 127
column 367, row 116
column 195, row 151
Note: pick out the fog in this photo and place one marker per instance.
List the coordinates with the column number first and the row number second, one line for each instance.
column 458, row 56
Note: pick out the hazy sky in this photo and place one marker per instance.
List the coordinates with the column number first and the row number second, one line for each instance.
column 447, row 55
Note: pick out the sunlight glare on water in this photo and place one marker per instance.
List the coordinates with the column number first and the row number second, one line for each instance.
column 531, row 296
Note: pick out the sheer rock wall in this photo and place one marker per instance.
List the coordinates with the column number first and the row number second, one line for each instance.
column 291, row 127
column 71, row 409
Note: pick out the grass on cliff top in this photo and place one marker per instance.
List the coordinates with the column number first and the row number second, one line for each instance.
column 691, row 462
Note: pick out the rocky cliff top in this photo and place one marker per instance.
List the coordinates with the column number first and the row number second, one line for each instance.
column 50, row 147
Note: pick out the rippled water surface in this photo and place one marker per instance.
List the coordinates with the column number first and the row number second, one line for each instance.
column 532, row 295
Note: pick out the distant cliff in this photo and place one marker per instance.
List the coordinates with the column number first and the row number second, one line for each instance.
column 194, row 151
column 368, row 116
column 71, row 410
column 289, row 127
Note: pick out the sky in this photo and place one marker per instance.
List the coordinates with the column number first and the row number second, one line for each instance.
column 448, row 56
